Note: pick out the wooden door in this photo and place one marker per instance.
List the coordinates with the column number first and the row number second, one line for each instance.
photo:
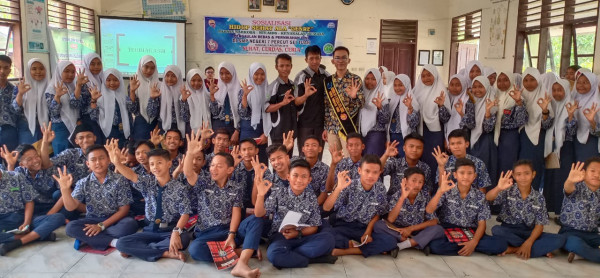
column 398, row 57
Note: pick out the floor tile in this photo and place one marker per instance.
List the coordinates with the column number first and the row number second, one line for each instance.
column 34, row 275
column 93, row 263
column 474, row 266
column 56, row 257
column 163, row 266
column 360, row 266
column 413, row 263
column 516, row 267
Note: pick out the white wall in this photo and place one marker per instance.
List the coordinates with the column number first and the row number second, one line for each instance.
column 92, row 4
column 357, row 22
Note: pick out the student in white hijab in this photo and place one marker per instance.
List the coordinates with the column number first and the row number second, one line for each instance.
column 223, row 101
column 110, row 109
column 374, row 115
column 194, row 101
column 586, row 93
column 92, row 64
column 430, row 93
column 511, row 115
column 559, row 143
column 254, row 122
column 462, row 110
column 30, row 103
column 482, row 135
column 473, row 69
column 490, row 74
column 62, row 114
column 387, row 80
column 540, row 119
column 165, row 104
column 404, row 111
column 140, row 86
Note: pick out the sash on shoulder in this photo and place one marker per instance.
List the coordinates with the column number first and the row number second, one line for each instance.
column 341, row 112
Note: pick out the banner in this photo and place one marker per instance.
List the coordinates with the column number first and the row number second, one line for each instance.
column 35, row 15
column 267, row 36
column 165, row 9
column 70, row 45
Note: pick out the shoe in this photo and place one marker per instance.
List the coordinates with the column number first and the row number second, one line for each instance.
column 77, row 244
column 2, row 250
column 51, row 237
column 427, row 250
column 571, row 257
column 394, row 252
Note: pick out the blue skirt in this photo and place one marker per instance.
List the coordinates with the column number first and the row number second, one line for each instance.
column 535, row 154
column 400, row 139
column 554, row 182
column 218, row 124
column 508, row 148
column 485, row 149
column 432, row 140
column 141, row 129
column 25, row 136
column 375, row 143
column 587, row 150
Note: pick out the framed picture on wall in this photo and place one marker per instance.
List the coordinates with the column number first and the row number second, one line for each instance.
column 254, row 5
column 268, row 2
column 423, row 57
column 282, row 6
column 437, row 58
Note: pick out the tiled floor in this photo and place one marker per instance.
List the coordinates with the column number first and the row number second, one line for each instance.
column 59, row 259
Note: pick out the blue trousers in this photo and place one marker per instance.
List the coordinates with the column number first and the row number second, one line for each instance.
column 25, row 136
column 516, row 235
column 43, row 225
column 293, row 253
column 248, row 236
column 343, row 232
column 398, row 137
column 582, row 243
column 150, row 246
column 9, row 137
column 491, row 245
column 101, row 241
column 61, row 139
column 422, row 237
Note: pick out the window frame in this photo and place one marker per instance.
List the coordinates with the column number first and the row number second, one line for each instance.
column 14, row 25
column 71, row 22
column 454, row 41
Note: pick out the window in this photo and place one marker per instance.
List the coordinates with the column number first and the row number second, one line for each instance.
column 464, row 45
column 69, row 16
column 554, row 34
column 10, row 34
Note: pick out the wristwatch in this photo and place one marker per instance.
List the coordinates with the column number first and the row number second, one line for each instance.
column 299, row 234
column 178, row 230
column 101, row 225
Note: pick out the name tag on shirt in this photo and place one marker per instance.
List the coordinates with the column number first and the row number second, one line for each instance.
column 374, row 204
column 232, row 194
column 507, row 111
column 306, row 211
column 209, row 191
column 473, row 206
column 511, row 198
column 536, row 207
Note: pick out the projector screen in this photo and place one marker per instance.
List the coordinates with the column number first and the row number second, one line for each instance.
column 123, row 41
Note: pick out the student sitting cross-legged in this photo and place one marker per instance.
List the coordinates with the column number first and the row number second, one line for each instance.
column 359, row 203
column 167, row 210
column 16, row 212
column 523, row 214
column 464, row 207
column 106, row 197
column 581, row 211
column 294, row 245
column 407, row 220
column 220, row 209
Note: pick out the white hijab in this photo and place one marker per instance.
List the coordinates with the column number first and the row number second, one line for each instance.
column 68, row 114
column 257, row 99
column 169, row 100
column 95, row 79
column 106, row 104
column 368, row 113
column 558, row 129
column 505, row 102
column 198, row 102
column 480, row 108
column 143, row 92
column 34, row 102
column 470, row 66
column 585, row 101
column 455, row 118
column 230, row 89
column 398, row 101
column 534, row 124
column 425, row 96
column 388, row 89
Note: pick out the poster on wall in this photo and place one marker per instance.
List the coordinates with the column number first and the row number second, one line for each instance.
column 267, row 36
column 165, row 9
column 498, row 21
column 35, row 15
column 70, row 45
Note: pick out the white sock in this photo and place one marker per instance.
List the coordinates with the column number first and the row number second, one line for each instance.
column 405, row 244
column 113, row 243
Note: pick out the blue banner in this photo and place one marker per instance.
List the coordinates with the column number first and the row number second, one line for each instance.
column 267, row 36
